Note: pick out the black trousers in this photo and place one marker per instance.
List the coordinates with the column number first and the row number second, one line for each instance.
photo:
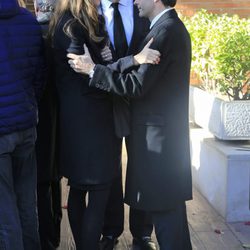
column 86, row 219
column 49, row 213
column 140, row 222
column 171, row 229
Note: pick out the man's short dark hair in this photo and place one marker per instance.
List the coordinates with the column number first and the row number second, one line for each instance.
column 170, row 3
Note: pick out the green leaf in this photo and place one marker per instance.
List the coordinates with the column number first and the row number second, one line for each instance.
column 221, row 50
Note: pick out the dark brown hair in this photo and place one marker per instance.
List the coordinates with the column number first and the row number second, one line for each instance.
column 170, row 3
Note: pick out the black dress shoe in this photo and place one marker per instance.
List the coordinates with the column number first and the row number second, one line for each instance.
column 108, row 243
column 144, row 243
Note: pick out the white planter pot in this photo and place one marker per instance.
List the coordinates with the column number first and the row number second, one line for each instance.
column 220, row 171
column 227, row 120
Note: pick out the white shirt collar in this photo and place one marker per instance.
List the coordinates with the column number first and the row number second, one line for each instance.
column 156, row 18
column 106, row 3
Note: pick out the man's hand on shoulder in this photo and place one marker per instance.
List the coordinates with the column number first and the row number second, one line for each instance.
column 82, row 63
column 147, row 55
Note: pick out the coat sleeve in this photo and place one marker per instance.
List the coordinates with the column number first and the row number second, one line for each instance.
column 77, row 39
column 123, row 65
column 122, row 78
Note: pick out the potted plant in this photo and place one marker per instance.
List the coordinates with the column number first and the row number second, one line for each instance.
column 221, row 59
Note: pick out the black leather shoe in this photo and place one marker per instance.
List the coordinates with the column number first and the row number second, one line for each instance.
column 144, row 243
column 108, row 243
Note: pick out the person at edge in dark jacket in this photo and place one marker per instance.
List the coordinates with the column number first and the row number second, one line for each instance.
column 126, row 30
column 47, row 145
column 21, row 85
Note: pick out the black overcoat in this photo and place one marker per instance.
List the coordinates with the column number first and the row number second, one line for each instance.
column 89, row 149
column 47, row 128
column 158, row 172
column 121, row 103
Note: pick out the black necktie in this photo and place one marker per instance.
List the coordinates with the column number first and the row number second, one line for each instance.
column 120, row 40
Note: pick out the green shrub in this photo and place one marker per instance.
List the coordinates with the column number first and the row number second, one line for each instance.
column 221, row 52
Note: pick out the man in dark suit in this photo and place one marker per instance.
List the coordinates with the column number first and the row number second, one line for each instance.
column 135, row 29
column 158, row 172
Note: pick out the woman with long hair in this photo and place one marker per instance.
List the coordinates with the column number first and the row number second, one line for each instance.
column 89, row 149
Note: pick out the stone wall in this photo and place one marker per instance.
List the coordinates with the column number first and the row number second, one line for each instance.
column 240, row 7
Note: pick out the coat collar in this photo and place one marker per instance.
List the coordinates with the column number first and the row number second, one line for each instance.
column 154, row 30
column 168, row 14
column 156, row 18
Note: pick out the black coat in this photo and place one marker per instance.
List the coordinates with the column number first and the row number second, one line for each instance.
column 158, row 172
column 121, row 104
column 47, row 136
column 47, row 129
column 89, row 149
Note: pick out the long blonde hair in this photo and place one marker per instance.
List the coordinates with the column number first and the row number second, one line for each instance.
column 83, row 11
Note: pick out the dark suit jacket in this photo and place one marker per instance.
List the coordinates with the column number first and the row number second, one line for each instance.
column 89, row 149
column 121, row 104
column 159, row 172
